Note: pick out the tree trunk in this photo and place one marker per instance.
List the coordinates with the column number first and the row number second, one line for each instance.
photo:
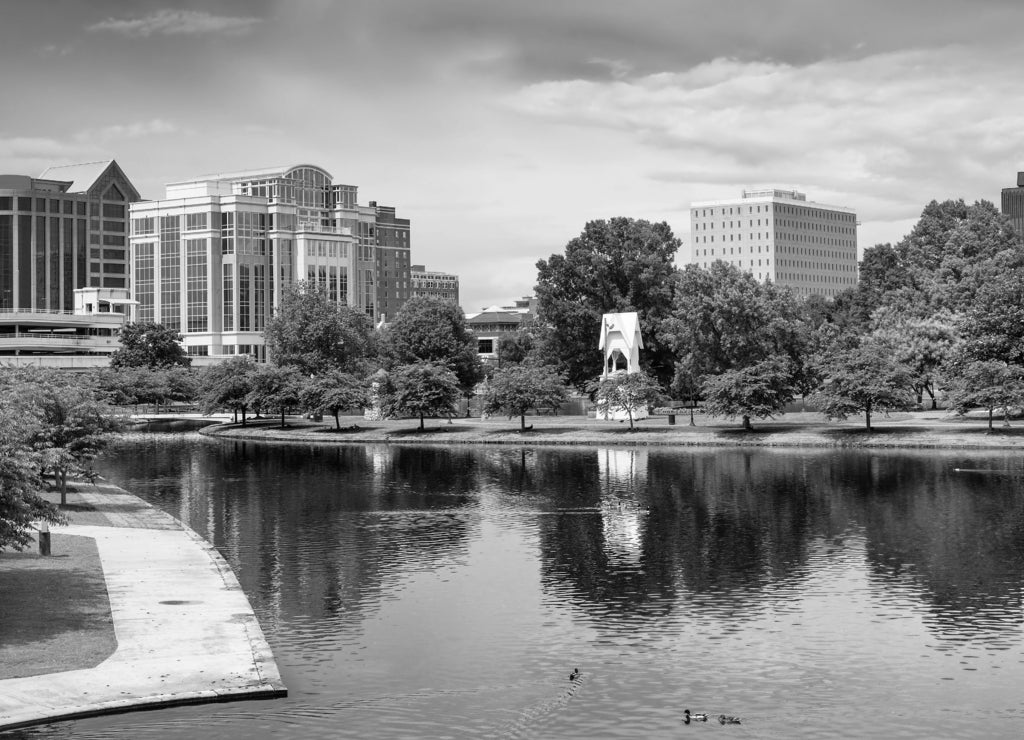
column 282, row 417
column 62, row 479
column 867, row 415
column 746, row 423
column 243, row 416
column 337, row 423
column 522, row 424
column 691, row 417
column 629, row 413
column 421, row 423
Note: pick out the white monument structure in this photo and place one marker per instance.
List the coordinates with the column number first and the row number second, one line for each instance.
column 621, row 343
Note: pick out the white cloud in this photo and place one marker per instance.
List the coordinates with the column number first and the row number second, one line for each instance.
column 134, row 130
column 177, row 22
column 886, row 133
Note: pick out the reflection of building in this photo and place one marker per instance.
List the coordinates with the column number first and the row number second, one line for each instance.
column 212, row 258
column 1013, row 205
column 491, row 323
column 61, row 231
column 778, row 235
column 623, row 520
column 442, row 285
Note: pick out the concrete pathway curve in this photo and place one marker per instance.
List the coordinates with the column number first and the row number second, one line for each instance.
column 185, row 630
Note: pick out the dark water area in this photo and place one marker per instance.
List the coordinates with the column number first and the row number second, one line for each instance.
column 432, row 592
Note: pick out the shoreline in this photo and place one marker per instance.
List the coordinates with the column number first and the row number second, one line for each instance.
column 915, row 430
column 185, row 631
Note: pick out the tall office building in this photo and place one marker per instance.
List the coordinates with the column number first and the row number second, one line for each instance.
column 61, row 231
column 432, row 283
column 212, row 258
column 394, row 282
column 779, row 235
column 1013, row 205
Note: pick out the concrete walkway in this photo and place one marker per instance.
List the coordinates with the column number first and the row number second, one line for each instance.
column 185, row 630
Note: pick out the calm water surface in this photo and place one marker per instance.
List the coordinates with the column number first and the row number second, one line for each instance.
column 429, row 592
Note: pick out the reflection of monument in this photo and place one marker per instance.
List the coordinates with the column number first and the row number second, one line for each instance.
column 621, row 343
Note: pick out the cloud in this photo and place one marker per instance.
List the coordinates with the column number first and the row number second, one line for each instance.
column 889, row 131
column 134, row 130
column 169, row 22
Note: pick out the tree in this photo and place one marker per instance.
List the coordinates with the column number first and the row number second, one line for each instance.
column 276, row 387
column 20, row 502
column 314, row 334
column 74, row 425
column 421, row 389
column 515, row 389
column 142, row 385
column 615, row 266
column 922, row 344
column 517, row 347
column 987, row 384
column 760, row 390
column 863, row 379
column 626, row 392
column 226, row 386
column 724, row 320
column 432, row 330
column 993, row 327
column 335, row 391
column 149, row 345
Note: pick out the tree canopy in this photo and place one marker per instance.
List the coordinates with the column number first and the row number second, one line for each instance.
column 615, row 266
column 515, row 389
column 433, row 330
column 626, row 392
column 420, row 390
column 149, row 345
column 311, row 332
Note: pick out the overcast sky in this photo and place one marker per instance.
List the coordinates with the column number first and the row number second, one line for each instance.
column 500, row 128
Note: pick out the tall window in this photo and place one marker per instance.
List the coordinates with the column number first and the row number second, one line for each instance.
column 170, row 272
column 196, row 287
column 229, row 298
column 259, row 273
column 144, row 281
column 244, row 299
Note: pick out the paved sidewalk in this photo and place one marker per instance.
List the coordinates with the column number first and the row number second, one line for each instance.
column 185, row 630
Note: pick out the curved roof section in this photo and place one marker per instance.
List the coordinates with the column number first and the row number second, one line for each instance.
column 263, row 173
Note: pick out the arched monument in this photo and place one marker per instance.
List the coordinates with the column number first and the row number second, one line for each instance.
column 621, row 343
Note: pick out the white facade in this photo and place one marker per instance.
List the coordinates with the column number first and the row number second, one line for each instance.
column 212, row 258
column 778, row 235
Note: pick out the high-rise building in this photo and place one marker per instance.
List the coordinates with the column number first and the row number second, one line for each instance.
column 212, row 258
column 63, row 230
column 779, row 235
column 432, row 283
column 1013, row 205
column 394, row 282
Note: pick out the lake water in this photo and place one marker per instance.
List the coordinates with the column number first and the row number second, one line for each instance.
column 438, row 592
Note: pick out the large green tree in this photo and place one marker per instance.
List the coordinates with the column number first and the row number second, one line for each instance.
column 276, row 387
column 923, row 345
column 864, row 379
column 615, row 266
column 433, row 330
column 760, row 390
column 20, row 502
column 149, row 345
column 336, row 391
column 985, row 384
column 311, row 332
column 226, row 386
column 515, row 389
column 420, row 390
column 725, row 321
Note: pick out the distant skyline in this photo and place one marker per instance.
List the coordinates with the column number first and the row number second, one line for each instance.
column 501, row 128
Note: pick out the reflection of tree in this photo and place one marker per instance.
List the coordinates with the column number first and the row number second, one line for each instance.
column 959, row 536
column 310, row 531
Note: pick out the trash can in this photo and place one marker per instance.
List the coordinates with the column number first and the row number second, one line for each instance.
column 672, row 419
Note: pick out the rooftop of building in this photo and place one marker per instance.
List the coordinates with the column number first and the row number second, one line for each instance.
column 67, row 178
column 769, row 195
column 263, row 173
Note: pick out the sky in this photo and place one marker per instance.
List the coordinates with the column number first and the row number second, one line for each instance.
column 501, row 128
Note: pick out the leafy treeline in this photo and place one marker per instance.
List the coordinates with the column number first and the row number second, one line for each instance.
column 942, row 308
column 52, row 424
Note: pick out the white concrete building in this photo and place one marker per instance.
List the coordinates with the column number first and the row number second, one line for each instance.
column 779, row 235
column 212, row 258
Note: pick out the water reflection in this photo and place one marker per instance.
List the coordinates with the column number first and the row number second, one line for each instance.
column 444, row 592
